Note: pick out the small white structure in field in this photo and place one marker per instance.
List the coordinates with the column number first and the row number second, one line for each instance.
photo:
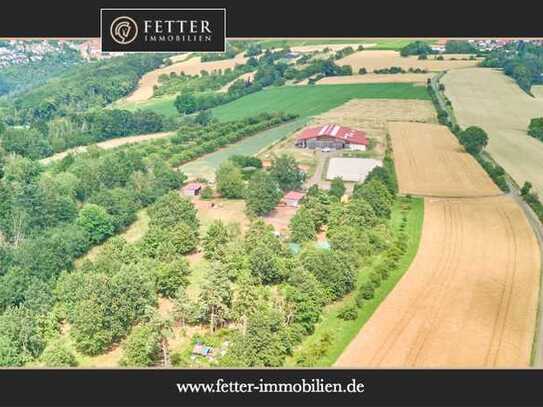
column 293, row 198
column 192, row 189
column 351, row 169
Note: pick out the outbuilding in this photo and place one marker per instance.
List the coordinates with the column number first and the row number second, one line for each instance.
column 192, row 189
column 332, row 136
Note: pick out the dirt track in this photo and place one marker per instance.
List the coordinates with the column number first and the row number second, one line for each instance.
column 468, row 300
column 430, row 162
column 106, row 145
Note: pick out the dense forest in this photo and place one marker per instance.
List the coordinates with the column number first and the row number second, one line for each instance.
column 521, row 61
column 42, row 139
column 70, row 110
column 51, row 216
column 84, row 87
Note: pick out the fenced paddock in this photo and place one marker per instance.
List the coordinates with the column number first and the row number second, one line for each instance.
column 351, row 169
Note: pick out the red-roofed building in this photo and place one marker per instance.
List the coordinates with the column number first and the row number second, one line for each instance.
column 293, row 198
column 192, row 189
column 332, row 136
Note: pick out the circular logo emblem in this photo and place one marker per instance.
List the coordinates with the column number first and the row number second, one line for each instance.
column 123, row 30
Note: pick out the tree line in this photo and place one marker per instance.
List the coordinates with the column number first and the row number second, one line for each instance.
column 43, row 139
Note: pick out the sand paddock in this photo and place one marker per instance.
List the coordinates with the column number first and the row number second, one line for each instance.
column 192, row 66
column 430, row 162
column 469, row 298
column 372, row 60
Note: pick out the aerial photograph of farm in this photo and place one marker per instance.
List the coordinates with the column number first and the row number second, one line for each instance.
column 323, row 202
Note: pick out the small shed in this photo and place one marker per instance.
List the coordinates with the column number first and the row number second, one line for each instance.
column 192, row 189
column 293, row 198
column 202, row 350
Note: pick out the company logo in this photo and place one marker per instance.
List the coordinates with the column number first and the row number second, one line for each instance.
column 163, row 30
column 123, row 30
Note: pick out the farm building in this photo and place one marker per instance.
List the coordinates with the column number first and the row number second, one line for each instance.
column 332, row 136
column 192, row 189
column 293, row 198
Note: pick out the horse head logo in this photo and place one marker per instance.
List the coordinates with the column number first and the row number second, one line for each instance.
column 123, row 30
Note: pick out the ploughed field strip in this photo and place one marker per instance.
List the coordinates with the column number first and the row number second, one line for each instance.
column 430, row 162
column 468, row 300
column 470, row 297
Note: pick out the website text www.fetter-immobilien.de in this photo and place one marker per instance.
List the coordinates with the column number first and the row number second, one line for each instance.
column 262, row 386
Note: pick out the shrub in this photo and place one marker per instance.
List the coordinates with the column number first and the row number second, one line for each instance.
column 96, row 222
column 57, row 354
column 348, row 313
column 141, row 348
column 367, row 291
column 207, row 193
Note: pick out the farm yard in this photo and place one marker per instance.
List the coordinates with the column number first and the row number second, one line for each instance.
column 373, row 115
column 372, row 60
column 491, row 100
column 430, row 162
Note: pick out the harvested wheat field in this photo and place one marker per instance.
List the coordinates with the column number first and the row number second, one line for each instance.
column 537, row 91
column 491, row 100
column 192, row 66
column 430, row 162
column 376, row 78
column 373, row 116
column 372, row 60
column 469, row 298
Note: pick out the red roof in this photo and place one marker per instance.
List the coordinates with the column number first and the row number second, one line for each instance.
column 295, row 196
column 193, row 186
column 346, row 134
